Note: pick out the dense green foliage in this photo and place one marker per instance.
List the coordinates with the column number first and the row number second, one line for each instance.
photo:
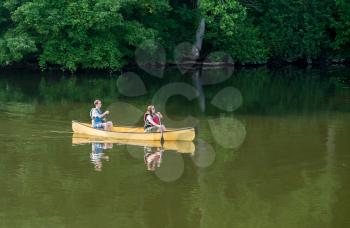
column 341, row 24
column 103, row 34
column 229, row 29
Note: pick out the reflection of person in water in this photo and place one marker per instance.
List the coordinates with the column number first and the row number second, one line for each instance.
column 153, row 157
column 97, row 154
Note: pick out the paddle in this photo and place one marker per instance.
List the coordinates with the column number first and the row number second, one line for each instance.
column 161, row 131
column 161, row 156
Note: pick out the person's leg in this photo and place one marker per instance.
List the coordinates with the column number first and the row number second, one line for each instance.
column 98, row 126
column 152, row 129
column 109, row 125
column 163, row 128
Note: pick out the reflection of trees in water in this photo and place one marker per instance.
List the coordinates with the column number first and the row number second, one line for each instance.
column 73, row 89
column 287, row 90
column 13, row 99
column 10, row 92
column 18, row 107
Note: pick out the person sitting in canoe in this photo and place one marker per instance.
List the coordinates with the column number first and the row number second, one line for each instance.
column 98, row 118
column 152, row 120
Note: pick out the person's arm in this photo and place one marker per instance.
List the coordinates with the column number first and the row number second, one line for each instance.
column 96, row 114
column 149, row 118
column 104, row 114
column 159, row 115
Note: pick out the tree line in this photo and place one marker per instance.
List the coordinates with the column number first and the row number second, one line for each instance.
column 103, row 34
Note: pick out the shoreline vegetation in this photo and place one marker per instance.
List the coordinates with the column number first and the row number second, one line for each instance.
column 190, row 65
column 103, row 35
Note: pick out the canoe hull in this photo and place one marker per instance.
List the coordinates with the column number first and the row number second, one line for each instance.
column 134, row 133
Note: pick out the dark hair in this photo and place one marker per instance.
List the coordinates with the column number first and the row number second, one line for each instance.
column 149, row 109
column 96, row 102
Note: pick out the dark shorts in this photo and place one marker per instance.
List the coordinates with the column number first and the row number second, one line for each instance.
column 98, row 125
column 152, row 129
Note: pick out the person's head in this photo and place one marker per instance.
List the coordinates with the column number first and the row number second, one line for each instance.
column 150, row 109
column 97, row 103
column 98, row 166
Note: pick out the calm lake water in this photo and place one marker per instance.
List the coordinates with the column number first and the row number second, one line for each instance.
column 272, row 150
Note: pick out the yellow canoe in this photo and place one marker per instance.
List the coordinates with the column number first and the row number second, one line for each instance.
column 135, row 133
column 179, row 146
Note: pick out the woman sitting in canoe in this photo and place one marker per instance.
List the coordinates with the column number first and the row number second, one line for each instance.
column 98, row 118
column 152, row 120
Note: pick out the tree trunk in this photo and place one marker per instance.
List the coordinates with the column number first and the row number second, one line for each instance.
column 196, row 50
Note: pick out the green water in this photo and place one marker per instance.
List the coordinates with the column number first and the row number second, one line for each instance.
column 276, row 157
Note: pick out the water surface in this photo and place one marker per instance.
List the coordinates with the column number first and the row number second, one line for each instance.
column 276, row 158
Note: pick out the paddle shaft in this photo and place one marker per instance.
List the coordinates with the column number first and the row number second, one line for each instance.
column 161, row 131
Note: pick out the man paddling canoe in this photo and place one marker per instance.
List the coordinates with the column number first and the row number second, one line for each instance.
column 98, row 118
column 152, row 120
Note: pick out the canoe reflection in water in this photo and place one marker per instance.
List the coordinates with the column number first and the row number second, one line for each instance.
column 97, row 154
column 153, row 157
column 151, row 152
